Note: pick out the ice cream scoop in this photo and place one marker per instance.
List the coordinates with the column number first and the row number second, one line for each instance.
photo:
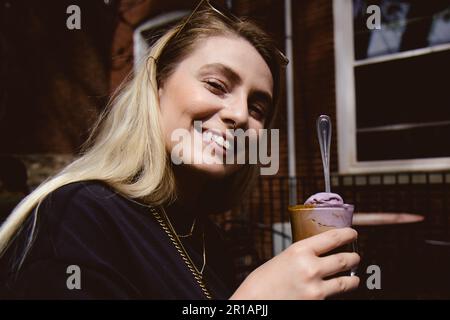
column 325, row 199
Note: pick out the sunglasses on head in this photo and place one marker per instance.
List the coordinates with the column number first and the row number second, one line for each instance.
column 225, row 13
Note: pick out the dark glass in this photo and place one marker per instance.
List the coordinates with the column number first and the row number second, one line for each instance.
column 405, row 25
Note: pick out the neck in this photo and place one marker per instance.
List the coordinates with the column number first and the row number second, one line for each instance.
column 188, row 204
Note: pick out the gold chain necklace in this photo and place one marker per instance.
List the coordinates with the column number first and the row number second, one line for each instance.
column 190, row 231
column 164, row 222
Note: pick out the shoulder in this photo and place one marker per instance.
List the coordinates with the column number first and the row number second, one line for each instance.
column 79, row 192
column 86, row 224
column 90, row 199
column 89, row 214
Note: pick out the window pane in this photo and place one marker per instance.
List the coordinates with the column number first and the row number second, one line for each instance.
column 403, row 108
column 440, row 28
column 405, row 25
column 416, row 143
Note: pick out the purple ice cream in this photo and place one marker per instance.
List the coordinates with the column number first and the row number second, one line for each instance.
column 325, row 199
column 340, row 216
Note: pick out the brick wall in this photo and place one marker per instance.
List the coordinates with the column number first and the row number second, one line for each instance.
column 314, row 81
column 54, row 81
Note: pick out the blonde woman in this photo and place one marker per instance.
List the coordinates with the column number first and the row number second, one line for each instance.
column 123, row 221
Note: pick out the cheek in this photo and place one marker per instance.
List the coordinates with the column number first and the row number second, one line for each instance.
column 255, row 125
column 257, row 129
column 176, row 113
column 185, row 105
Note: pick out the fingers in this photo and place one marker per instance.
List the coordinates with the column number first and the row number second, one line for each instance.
column 329, row 240
column 339, row 262
column 340, row 285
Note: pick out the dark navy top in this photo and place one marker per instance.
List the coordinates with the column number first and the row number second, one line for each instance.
column 119, row 247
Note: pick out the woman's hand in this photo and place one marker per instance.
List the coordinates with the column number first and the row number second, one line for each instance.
column 299, row 271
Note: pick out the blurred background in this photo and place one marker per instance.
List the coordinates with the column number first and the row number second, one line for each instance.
column 381, row 74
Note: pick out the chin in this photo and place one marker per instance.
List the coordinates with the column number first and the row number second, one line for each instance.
column 215, row 171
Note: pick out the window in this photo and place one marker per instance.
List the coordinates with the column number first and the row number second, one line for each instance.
column 392, row 96
column 148, row 32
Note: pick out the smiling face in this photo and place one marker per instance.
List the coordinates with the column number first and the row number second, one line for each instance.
column 223, row 83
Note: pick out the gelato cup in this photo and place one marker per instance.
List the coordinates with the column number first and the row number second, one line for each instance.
column 321, row 212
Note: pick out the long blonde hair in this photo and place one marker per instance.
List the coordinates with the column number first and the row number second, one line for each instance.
column 126, row 147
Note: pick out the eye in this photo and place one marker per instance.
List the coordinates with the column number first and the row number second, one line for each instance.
column 215, row 87
column 257, row 112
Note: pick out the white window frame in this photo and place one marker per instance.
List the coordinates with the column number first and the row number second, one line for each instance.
column 140, row 45
column 346, row 100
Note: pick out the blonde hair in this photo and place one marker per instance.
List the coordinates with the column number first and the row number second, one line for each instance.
column 135, row 161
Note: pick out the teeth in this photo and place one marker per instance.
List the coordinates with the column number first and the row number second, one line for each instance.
column 219, row 140
column 209, row 136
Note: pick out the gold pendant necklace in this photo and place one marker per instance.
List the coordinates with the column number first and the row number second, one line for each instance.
column 166, row 225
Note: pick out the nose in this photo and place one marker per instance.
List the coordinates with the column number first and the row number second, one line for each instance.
column 236, row 113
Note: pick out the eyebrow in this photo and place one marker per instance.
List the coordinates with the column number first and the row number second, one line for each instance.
column 234, row 77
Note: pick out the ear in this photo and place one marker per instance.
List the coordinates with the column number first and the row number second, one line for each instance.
column 160, row 93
